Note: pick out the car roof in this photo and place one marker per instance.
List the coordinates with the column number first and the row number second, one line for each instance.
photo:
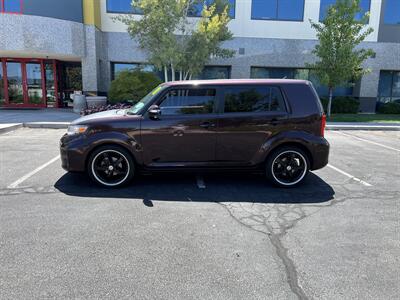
column 236, row 82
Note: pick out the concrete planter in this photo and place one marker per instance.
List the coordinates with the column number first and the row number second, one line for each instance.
column 96, row 101
column 79, row 103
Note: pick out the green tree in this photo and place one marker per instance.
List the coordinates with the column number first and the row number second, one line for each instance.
column 339, row 60
column 132, row 85
column 176, row 43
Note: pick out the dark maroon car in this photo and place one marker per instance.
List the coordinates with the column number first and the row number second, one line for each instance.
column 276, row 126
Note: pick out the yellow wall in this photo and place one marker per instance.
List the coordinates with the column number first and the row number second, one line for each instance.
column 91, row 13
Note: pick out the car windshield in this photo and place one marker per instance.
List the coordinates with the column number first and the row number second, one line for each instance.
column 145, row 100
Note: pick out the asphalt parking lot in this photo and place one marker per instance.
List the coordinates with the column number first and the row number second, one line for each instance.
column 215, row 236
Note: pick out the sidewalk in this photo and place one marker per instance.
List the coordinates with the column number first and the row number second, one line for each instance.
column 39, row 115
column 362, row 126
column 40, row 118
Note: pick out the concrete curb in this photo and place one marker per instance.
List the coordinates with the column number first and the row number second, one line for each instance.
column 363, row 127
column 11, row 127
column 49, row 125
column 4, row 128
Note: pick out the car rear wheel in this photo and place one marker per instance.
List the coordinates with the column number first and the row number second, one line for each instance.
column 111, row 166
column 287, row 166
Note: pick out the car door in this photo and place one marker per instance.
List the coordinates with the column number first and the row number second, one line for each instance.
column 251, row 115
column 185, row 132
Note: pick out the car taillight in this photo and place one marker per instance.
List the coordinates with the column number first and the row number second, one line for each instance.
column 323, row 124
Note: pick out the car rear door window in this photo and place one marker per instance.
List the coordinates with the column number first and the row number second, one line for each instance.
column 253, row 99
column 276, row 100
column 188, row 101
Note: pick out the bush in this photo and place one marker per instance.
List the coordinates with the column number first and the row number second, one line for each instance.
column 324, row 102
column 132, row 86
column 342, row 105
column 389, row 108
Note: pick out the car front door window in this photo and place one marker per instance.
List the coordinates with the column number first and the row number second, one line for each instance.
column 188, row 102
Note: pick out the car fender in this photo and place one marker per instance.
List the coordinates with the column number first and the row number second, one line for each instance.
column 301, row 138
column 115, row 138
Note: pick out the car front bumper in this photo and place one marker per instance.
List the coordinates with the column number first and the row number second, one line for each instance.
column 73, row 154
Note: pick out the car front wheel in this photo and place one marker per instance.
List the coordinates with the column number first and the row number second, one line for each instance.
column 287, row 166
column 111, row 166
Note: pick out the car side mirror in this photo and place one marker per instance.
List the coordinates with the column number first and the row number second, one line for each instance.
column 154, row 112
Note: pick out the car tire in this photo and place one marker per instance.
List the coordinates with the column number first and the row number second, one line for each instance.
column 111, row 166
column 287, row 166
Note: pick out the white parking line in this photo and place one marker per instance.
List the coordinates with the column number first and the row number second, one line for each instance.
column 368, row 141
column 200, row 182
column 30, row 174
column 349, row 175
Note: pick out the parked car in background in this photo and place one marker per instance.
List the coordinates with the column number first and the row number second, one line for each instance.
column 276, row 126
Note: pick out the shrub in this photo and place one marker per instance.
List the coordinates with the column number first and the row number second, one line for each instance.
column 342, row 105
column 132, row 86
column 389, row 108
column 324, row 102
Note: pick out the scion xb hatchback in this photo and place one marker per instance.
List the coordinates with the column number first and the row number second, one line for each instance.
column 276, row 126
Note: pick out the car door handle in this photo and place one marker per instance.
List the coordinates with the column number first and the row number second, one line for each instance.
column 207, row 125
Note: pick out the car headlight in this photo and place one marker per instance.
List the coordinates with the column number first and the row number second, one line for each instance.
column 76, row 129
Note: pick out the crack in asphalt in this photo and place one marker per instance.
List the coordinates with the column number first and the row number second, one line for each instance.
column 275, row 220
column 259, row 223
column 275, row 239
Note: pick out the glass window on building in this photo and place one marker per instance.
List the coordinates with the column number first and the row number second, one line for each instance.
column 50, row 81
column 122, row 6
column 261, row 72
column 392, row 12
column 125, row 7
column 300, row 73
column 389, row 86
column 34, row 79
column 197, row 8
column 118, row 67
column 284, row 10
column 325, row 4
column 15, row 82
column 209, row 72
column 215, row 72
column 2, row 95
column 11, row 6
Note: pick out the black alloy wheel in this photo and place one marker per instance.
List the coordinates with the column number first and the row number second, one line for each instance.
column 111, row 166
column 287, row 167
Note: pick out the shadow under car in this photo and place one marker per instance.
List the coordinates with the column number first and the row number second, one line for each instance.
column 220, row 187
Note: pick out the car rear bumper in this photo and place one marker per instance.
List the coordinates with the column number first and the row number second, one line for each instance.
column 320, row 153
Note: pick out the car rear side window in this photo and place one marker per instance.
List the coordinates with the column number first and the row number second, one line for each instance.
column 253, row 99
column 188, row 101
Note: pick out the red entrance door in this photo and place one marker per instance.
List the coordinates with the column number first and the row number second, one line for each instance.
column 29, row 83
